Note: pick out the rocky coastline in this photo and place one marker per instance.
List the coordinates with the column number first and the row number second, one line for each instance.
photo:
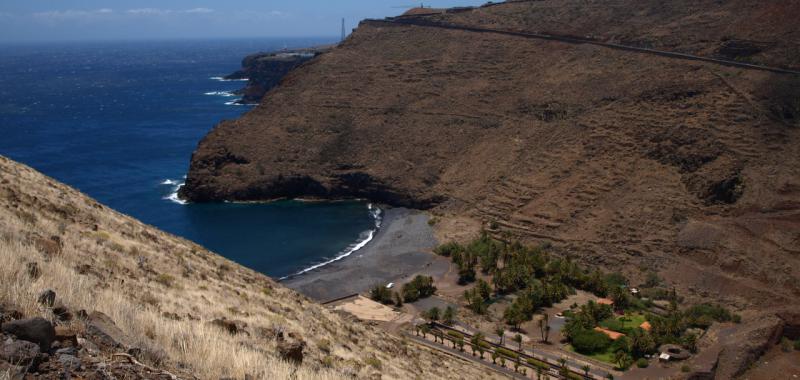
column 264, row 71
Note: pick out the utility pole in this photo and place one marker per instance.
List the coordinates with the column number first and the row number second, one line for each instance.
column 343, row 34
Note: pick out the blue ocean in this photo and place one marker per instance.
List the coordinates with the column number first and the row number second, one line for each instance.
column 119, row 121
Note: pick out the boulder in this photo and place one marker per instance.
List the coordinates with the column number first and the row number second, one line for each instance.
column 70, row 362
column 20, row 352
column 66, row 336
column 104, row 332
column 62, row 313
column 47, row 298
column 37, row 330
column 291, row 351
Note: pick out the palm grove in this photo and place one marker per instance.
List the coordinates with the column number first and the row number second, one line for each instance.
column 539, row 279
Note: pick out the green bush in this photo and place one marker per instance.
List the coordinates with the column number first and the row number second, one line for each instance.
column 797, row 345
column 507, row 353
column 642, row 363
column 537, row 364
column 455, row 334
column 590, row 341
column 382, row 294
column 699, row 315
column 448, row 249
column 419, row 287
column 466, row 276
column 685, row 368
column 573, row 376
column 786, row 344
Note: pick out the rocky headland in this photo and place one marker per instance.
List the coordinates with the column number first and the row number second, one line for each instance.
column 608, row 131
column 263, row 71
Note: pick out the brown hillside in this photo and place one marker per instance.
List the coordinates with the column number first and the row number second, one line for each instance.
column 623, row 159
column 178, row 307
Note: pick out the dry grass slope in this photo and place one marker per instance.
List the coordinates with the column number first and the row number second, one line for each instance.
column 163, row 291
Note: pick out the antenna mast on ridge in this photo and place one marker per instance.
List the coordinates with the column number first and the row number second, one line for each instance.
column 343, row 34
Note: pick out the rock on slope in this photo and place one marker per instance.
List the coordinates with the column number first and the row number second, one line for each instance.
column 629, row 160
column 172, row 305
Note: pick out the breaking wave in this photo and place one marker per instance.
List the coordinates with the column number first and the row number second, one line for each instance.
column 175, row 186
column 221, row 79
column 363, row 240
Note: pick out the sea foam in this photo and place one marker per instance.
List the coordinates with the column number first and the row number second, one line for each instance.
column 175, row 187
column 364, row 239
column 221, row 79
column 220, row 93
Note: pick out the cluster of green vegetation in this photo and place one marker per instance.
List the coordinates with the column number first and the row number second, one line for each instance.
column 419, row 287
column 637, row 342
column 538, row 279
column 434, row 314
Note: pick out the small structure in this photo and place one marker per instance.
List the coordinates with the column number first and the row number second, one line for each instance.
column 673, row 352
column 611, row 334
column 605, row 301
column 663, row 357
column 646, row 326
column 635, row 292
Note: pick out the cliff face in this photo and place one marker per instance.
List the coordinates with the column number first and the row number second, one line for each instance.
column 121, row 286
column 264, row 71
column 625, row 159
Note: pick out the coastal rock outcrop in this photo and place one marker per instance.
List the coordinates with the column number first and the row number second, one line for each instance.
column 264, row 71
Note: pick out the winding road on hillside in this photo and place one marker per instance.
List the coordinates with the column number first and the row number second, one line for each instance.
column 423, row 22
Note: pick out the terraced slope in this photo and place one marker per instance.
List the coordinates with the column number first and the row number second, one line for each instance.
column 178, row 307
column 632, row 161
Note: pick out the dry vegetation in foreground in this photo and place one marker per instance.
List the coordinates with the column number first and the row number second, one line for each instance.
column 163, row 292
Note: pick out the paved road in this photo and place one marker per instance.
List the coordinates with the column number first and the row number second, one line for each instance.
column 420, row 21
column 574, row 363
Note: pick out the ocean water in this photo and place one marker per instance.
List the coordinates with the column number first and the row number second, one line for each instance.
column 119, row 121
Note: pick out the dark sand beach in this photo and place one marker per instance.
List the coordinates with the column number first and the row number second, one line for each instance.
column 401, row 248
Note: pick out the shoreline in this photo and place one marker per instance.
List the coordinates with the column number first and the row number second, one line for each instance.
column 401, row 247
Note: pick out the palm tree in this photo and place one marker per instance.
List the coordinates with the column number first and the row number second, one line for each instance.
column 622, row 359
column 544, row 327
column 564, row 370
column 538, row 373
column 500, row 331
column 495, row 355
column 425, row 329
column 449, row 315
column 518, row 339
column 476, row 341
column 586, row 370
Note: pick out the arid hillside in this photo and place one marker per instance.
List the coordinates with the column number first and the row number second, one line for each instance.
column 624, row 159
column 129, row 301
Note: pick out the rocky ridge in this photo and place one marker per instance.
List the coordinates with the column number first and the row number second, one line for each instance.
column 90, row 293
